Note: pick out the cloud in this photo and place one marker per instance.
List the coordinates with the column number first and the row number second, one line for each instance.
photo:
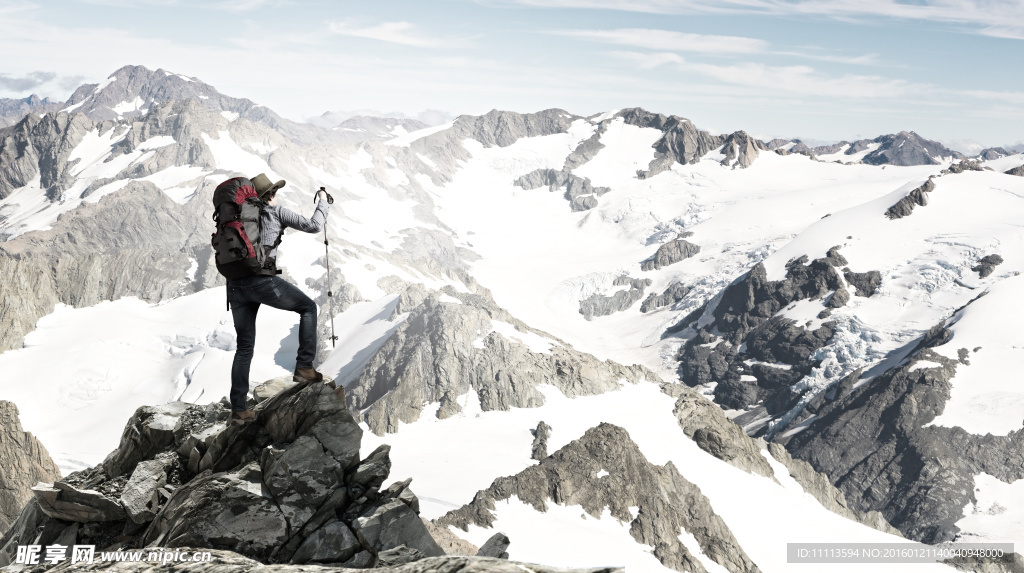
column 997, row 18
column 789, row 80
column 395, row 32
column 669, row 40
column 25, row 83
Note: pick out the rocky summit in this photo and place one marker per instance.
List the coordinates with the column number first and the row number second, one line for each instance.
column 289, row 487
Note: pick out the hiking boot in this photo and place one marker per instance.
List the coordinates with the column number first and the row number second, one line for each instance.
column 242, row 417
column 307, row 375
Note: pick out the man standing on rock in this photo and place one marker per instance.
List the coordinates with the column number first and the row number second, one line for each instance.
column 245, row 295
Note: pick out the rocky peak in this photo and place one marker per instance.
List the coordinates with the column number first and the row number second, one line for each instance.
column 12, row 110
column 908, row 148
column 25, row 462
column 132, row 90
column 682, row 143
column 40, row 147
column 605, row 470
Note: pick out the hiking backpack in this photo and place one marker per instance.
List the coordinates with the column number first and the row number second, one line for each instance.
column 236, row 243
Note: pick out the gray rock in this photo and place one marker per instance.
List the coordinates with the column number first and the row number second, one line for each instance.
column 667, row 503
column 25, row 530
column 391, row 525
column 876, row 446
column 300, row 477
column 14, row 110
column 600, row 305
column 398, row 556
column 100, row 252
column 579, row 191
column 673, row 294
column 65, row 502
column 864, row 283
column 451, row 544
column 819, row 486
column 332, row 543
column 993, row 153
column 740, row 150
column 372, row 471
column 434, row 355
column 495, row 546
column 907, row 148
column 709, row 428
column 149, row 431
column 1018, row 171
column 905, row 206
column 271, row 388
column 540, row 442
column 227, row 510
column 682, row 143
column 964, row 165
column 670, row 253
column 140, row 498
column 25, row 461
column 41, row 147
column 987, row 265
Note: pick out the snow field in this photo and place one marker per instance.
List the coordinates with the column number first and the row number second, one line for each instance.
column 987, row 395
column 105, row 361
column 450, row 460
column 998, row 514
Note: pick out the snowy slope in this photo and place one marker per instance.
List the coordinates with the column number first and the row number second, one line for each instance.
column 422, row 208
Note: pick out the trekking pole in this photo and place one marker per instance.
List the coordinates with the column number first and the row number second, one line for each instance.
column 327, row 257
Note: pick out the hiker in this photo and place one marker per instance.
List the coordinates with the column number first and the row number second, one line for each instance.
column 246, row 294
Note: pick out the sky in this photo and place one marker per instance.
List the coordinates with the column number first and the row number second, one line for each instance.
column 822, row 70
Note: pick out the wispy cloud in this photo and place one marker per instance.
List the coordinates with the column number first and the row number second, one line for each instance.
column 792, row 80
column 675, row 41
column 25, row 83
column 670, row 40
column 395, row 32
column 999, row 18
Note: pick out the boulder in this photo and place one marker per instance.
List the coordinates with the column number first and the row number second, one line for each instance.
column 62, row 501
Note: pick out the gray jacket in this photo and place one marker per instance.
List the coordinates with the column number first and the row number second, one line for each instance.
column 276, row 218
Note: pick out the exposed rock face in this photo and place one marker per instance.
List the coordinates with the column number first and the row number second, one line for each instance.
column 230, row 562
column 13, row 110
column 442, row 351
column 818, row 485
column 874, row 444
column 289, row 487
column 540, row 441
column 1018, row 171
column 601, row 305
column 135, row 242
column 673, row 294
column 682, row 143
column 993, row 153
column 40, row 148
column 741, row 150
column 670, row 253
column 776, row 352
column 667, row 502
column 987, row 265
column 905, row 206
column 908, row 148
column 580, row 193
column 964, row 165
column 25, row 463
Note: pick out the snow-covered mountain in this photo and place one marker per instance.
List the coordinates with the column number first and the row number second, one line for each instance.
column 539, row 313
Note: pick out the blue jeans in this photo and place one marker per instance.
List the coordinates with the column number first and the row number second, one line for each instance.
column 245, row 297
